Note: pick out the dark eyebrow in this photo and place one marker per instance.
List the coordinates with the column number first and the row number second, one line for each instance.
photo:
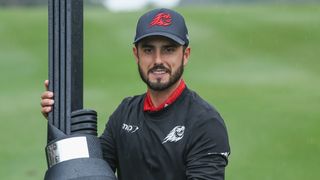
column 146, row 45
column 171, row 45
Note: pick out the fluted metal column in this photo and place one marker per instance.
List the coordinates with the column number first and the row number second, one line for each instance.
column 73, row 150
column 65, row 60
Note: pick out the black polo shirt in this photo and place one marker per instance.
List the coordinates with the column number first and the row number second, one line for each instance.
column 185, row 140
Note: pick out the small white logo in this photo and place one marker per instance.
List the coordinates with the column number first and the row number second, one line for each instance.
column 225, row 154
column 129, row 128
column 175, row 134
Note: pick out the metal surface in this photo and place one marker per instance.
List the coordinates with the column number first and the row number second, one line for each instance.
column 67, row 149
column 76, row 154
column 65, row 60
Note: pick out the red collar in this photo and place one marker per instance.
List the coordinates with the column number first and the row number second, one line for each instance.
column 148, row 105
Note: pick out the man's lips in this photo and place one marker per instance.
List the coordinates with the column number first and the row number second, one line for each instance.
column 158, row 73
column 159, row 70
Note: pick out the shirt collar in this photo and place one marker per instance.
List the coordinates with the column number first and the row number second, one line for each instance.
column 148, row 105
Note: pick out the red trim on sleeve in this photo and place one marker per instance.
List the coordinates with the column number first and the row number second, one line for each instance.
column 148, row 105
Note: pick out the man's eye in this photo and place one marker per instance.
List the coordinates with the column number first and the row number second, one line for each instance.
column 169, row 50
column 147, row 50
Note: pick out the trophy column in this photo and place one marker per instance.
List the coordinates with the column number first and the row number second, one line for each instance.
column 73, row 150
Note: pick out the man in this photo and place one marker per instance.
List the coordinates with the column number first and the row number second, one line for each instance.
column 168, row 133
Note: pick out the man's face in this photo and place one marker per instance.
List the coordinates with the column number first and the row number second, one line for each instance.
column 160, row 61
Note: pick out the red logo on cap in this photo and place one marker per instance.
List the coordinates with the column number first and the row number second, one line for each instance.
column 161, row 19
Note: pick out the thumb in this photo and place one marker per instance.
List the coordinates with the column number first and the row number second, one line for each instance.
column 46, row 84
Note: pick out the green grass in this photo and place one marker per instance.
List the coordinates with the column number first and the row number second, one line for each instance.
column 259, row 65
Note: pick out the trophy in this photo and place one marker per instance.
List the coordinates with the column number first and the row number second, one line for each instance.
column 73, row 150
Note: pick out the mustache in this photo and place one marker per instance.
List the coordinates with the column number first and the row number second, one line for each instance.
column 159, row 67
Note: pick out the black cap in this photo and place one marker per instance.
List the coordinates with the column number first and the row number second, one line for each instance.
column 162, row 22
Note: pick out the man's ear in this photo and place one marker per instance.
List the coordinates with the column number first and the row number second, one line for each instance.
column 135, row 53
column 186, row 55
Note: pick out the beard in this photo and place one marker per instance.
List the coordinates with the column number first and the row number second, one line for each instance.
column 160, row 86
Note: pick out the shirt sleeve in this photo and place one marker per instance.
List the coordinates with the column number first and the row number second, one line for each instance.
column 108, row 139
column 208, row 150
column 108, row 144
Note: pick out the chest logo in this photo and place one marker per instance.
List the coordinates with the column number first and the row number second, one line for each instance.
column 129, row 128
column 175, row 134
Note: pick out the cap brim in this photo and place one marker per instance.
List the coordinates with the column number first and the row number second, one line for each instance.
column 173, row 37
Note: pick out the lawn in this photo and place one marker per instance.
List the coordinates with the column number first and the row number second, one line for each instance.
column 258, row 65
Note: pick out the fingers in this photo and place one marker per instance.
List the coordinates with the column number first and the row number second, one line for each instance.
column 46, row 102
column 46, row 106
column 46, row 84
column 47, row 95
column 45, row 110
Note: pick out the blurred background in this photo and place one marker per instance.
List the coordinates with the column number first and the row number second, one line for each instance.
column 256, row 61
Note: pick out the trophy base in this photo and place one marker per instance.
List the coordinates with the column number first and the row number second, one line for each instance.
column 80, row 169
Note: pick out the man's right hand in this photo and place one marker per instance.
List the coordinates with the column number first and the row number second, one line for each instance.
column 46, row 100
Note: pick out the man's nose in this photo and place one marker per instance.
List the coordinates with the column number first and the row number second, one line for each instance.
column 158, row 57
